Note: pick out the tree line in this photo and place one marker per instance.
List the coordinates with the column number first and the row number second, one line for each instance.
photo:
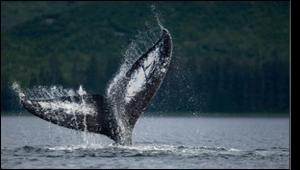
column 228, row 56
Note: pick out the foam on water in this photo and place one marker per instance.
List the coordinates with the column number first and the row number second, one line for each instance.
column 149, row 150
column 141, row 155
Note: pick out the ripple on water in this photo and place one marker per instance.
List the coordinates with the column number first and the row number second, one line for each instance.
column 142, row 150
column 36, row 154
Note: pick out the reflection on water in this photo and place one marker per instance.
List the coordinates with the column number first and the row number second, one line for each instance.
column 28, row 142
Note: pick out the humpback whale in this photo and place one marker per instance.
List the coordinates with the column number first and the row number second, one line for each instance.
column 115, row 113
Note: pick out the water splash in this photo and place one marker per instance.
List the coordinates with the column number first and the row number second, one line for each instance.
column 16, row 87
column 156, row 15
column 82, row 92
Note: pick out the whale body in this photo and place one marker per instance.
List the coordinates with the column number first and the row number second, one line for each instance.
column 115, row 113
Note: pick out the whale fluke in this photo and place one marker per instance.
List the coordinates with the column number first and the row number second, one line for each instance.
column 116, row 113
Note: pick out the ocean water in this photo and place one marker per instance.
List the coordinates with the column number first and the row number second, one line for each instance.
column 158, row 142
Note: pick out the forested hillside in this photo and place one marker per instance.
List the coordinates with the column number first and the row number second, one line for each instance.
column 228, row 56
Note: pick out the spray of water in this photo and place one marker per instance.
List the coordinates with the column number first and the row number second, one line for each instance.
column 17, row 89
column 81, row 92
column 115, row 92
column 47, row 95
column 156, row 15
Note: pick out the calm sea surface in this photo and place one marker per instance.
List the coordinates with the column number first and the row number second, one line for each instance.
column 158, row 142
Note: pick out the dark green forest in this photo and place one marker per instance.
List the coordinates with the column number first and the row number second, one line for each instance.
column 228, row 56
